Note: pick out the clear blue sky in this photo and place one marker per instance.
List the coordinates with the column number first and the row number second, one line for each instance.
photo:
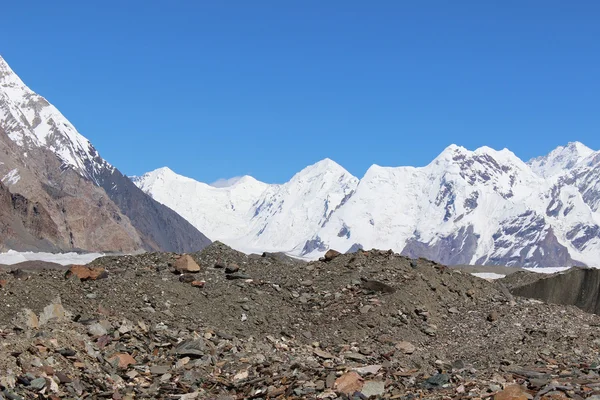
column 216, row 89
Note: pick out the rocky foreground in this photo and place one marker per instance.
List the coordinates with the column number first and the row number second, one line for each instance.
column 223, row 325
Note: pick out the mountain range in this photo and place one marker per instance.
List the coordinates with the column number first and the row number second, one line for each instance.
column 466, row 207
column 57, row 193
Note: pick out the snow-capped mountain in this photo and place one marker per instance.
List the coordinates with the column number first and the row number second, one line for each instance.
column 89, row 203
column 465, row 207
column 254, row 215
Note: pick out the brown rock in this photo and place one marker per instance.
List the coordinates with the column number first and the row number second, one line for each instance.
column 124, row 360
column 513, row 392
column 186, row 263
column 198, row 284
column 331, row 254
column 406, row 347
column 349, row 383
column 493, row 316
column 232, row 268
column 87, row 273
column 3, row 283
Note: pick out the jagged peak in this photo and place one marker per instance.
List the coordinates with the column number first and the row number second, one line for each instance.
column 560, row 160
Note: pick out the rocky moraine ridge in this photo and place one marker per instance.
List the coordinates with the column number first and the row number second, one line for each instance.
column 220, row 324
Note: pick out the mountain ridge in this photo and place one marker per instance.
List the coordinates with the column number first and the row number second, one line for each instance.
column 482, row 206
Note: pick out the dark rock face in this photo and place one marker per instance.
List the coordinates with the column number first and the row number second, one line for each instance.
column 527, row 241
column 579, row 287
column 160, row 227
column 451, row 250
column 25, row 225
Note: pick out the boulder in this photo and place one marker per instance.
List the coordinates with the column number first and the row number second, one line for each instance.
column 87, row 273
column 186, row 264
column 331, row 254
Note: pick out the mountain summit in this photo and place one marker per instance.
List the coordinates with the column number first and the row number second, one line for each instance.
column 71, row 198
column 483, row 206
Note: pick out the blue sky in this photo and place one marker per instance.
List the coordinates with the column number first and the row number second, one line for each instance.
column 215, row 89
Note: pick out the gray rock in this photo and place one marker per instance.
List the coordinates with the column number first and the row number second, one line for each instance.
column 191, row 348
column 159, row 369
column 38, row 384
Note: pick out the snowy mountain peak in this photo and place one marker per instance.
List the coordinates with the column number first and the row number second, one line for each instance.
column 325, row 167
column 30, row 120
column 560, row 160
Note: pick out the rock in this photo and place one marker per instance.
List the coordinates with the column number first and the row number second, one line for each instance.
column 159, row 369
column 493, row 316
column 240, row 376
column 97, row 329
column 406, row 347
column 330, row 380
column 54, row 311
column 348, row 383
column 430, row 330
column 232, row 268
column 124, row 360
column 198, row 284
column 3, row 283
column 373, row 388
column 437, row 381
column 237, row 276
column 331, row 254
column 370, row 369
column 378, row 287
column 87, row 273
column 186, row 278
column 453, row 310
column 323, row 354
column 29, row 318
column 186, row 263
column 38, row 384
column 512, row 392
column 195, row 347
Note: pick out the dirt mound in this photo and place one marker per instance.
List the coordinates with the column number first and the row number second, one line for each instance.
column 268, row 326
column 579, row 287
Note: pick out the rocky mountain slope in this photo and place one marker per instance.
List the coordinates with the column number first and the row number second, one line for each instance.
column 465, row 207
column 90, row 204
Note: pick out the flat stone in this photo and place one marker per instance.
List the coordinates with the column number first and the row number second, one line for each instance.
column 373, row 388
column 194, row 347
column 38, row 384
column 348, row 383
column 124, row 360
column 323, row 354
column 159, row 369
column 406, row 347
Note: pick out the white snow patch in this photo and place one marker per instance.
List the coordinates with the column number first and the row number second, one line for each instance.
column 488, row 275
column 14, row 257
column 12, row 177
